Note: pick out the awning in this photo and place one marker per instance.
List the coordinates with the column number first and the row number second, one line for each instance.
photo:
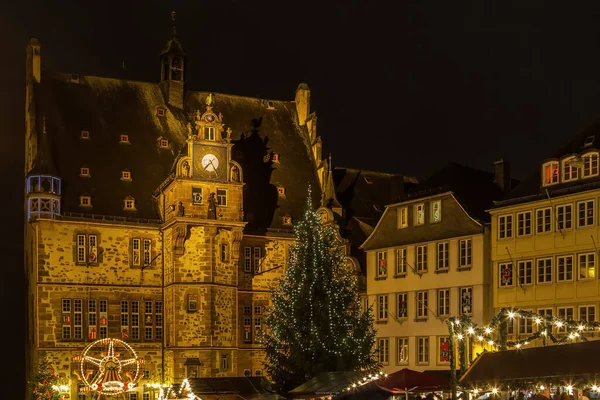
column 566, row 360
column 325, row 384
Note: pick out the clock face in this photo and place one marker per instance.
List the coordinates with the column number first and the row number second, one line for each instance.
column 209, row 118
column 210, row 162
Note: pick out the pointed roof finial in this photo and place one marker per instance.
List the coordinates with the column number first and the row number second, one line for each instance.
column 173, row 14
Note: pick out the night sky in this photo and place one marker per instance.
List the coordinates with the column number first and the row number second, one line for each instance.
column 398, row 86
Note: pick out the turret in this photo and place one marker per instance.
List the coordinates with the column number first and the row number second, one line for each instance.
column 172, row 77
column 43, row 184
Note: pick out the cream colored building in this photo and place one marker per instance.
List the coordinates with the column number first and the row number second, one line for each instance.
column 545, row 239
column 427, row 260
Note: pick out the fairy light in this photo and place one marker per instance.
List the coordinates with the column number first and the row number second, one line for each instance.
column 494, row 390
column 491, row 342
column 518, row 345
column 459, row 336
column 559, row 324
column 581, row 327
column 538, row 321
column 471, row 331
column 475, row 391
column 511, row 314
column 542, row 387
column 480, row 338
column 488, row 330
column 569, row 389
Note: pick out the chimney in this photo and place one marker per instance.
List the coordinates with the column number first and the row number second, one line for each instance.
column 502, row 175
column 302, row 103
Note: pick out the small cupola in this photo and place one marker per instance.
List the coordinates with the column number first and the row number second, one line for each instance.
column 172, row 78
column 44, row 186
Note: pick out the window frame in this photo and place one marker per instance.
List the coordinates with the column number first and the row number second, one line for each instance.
column 422, row 344
column 381, row 267
column 421, row 259
column 209, row 133
column 247, row 259
column 220, row 196
column 467, row 249
column 461, row 291
column 565, row 268
column 400, row 267
column 522, row 224
column 440, row 340
column 85, row 201
column 569, row 173
column 89, row 246
column 402, row 342
column 432, row 218
column 404, row 297
column 443, row 302
column 587, row 307
column 525, row 325
column 422, row 309
column 588, row 160
column 443, row 262
column 585, row 210
column 563, row 330
column 383, row 356
column 587, row 276
column 402, row 217
column 563, row 207
column 129, row 204
column 382, row 308
column 525, row 272
column 507, row 232
column 124, row 138
column 555, row 175
column 544, row 268
column 500, row 274
column 419, row 214
column 546, row 220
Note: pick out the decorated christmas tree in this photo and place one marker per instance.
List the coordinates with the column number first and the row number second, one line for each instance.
column 316, row 323
column 41, row 386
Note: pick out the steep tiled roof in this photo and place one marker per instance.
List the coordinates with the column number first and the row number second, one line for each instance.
column 474, row 188
column 108, row 108
column 531, row 188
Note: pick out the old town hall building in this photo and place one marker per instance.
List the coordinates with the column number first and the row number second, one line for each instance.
column 160, row 216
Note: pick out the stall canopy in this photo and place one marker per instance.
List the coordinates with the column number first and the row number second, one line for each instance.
column 232, row 388
column 326, row 383
column 566, row 360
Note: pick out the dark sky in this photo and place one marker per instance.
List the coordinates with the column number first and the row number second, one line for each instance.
column 400, row 86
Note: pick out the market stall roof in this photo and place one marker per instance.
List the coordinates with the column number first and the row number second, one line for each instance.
column 566, row 360
column 369, row 391
column 225, row 388
column 413, row 381
column 326, row 383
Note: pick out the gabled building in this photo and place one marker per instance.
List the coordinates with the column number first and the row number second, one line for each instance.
column 160, row 216
column 428, row 259
column 545, row 239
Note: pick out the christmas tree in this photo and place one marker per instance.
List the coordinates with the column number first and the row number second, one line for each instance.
column 316, row 323
column 42, row 384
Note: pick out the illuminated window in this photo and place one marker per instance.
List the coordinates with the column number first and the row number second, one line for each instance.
column 287, row 220
column 402, row 353
column 224, row 362
column 247, row 259
column 125, row 175
column 381, row 268
column 590, row 165
column 85, row 201
column 525, row 325
column 570, row 172
column 275, row 157
column 402, row 217
column 84, row 171
column 550, row 173
column 257, row 252
column 587, row 266
column 565, row 314
column 281, row 191
column 85, row 134
column 443, row 349
column 423, row 350
column 164, row 143
column 160, row 112
column 224, row 252
column 436, row 211
column 124, row 138
column 129, row 204
column 419, row 214
column 587, row 313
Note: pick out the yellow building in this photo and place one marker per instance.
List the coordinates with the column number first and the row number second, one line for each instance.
column 160, row 216
column 545, row 239
column 427, row 260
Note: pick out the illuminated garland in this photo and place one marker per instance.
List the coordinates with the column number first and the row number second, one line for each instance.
column 366, row 379
column 495, row 334
column 184, row 392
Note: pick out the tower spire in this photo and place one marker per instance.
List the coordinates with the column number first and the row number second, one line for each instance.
column 173, row 14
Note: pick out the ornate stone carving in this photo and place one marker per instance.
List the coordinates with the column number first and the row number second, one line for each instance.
column 237, row 235
column 179, row 236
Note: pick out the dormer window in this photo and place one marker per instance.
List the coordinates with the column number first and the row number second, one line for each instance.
column 589, row 141
column 270, row 105
column 209, row 133
column 368, row 180
column 164, row 143
column 84, row 172
column 570, row 173
column 550, row 173
column 124, row 139
column 419, row 214
column 436, row 211
column 281, row 191
column 275, row 157
column 85, row 134
column 85, row 201
column 287, row 220
column 125, row 175
column 129, row 204
column 160, row 111
column 590, row 165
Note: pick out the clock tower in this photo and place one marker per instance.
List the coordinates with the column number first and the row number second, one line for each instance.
column 203, row 213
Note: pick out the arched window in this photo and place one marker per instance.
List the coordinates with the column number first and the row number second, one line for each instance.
column 570, row 173
column 590, row 165
column 550, row 173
